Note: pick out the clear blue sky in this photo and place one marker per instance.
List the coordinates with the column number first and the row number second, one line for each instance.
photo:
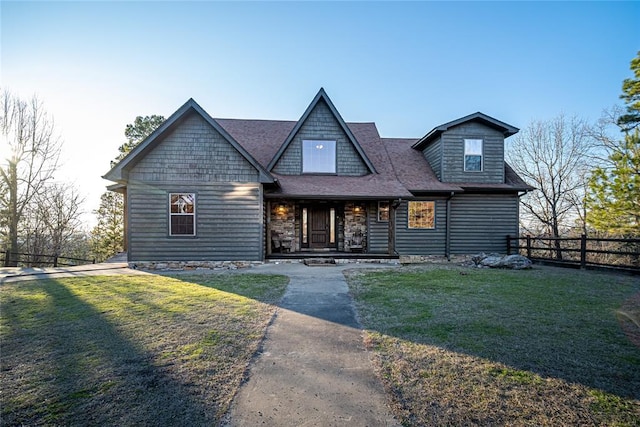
column 407, row 66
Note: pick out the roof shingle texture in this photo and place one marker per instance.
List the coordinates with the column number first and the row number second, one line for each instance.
column 401, row 169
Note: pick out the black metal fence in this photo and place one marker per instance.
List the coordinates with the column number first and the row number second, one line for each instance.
column 19, row 259
column 582, row 252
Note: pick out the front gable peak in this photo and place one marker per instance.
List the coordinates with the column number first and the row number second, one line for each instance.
column 119, row 172
column 322, row 99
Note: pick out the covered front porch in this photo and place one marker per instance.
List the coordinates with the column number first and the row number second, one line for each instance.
column 301, row 228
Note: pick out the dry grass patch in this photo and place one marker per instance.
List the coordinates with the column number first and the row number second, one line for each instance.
column 129, row 350
column 456, row 346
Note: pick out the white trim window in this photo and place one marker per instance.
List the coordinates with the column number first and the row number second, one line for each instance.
column 318, row 156
column 473, row 155
column 383, row 211
column 421, row 215
column 182, row 214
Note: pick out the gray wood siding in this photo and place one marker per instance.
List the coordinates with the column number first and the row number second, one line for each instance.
column 194, row 152
column 480, row 223
column 433, row 154
column 229, row 223
column 378, row 232
column 195, row 158
column 453, row 154
column 418, row 241
column 321, row 124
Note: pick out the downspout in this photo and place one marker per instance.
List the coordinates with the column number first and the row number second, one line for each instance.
column 447, row 238
column 394, row 206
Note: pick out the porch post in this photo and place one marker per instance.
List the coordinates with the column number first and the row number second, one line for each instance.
column 268, row 227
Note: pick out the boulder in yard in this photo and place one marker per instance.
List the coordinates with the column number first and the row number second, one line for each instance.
column 514, row 262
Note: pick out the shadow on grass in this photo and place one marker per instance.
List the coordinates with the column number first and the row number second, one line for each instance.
column 554, row 323
column 70, row 365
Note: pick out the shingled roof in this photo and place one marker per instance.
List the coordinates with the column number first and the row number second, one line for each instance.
column 401, row 170
column 398, row 167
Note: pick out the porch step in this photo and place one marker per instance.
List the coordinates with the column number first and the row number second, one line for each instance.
column 319, row 262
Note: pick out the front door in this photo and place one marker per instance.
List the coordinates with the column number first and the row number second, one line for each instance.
column 321, row 227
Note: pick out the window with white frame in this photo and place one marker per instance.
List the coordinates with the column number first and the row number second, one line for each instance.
column 473, row 155
column 422, row 215
column 182, row 214
column 383, row 211
column 318, row 156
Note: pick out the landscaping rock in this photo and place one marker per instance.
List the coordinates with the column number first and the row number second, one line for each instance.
column 513, row 262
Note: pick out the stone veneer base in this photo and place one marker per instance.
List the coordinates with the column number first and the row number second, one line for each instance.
column 192, row 265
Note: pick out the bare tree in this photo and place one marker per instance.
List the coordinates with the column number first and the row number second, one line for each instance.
column 33, row 153
column 51, row 223
column 552, row 156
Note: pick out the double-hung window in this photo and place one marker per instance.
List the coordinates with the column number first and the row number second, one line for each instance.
column 473, row 155
column 318, row 156
column 182, row 214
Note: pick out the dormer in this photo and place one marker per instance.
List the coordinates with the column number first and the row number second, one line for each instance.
column 321, row 143
column 467, row 150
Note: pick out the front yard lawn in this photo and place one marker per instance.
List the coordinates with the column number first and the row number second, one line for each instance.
column 548, row 346
column 129, row 350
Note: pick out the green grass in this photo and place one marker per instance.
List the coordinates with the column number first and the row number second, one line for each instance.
column 129, row 350
column 459, row 346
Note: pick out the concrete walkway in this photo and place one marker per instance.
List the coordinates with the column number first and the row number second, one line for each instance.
column 313, row 369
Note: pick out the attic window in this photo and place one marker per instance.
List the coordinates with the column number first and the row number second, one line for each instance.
column 318, row 156
column 473, row 155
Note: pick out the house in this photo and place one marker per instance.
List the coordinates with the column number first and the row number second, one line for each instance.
column 205, row 189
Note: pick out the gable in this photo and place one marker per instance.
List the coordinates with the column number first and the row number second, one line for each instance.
column 206, row 129
column 506, row 129
column 453, row 153
column 322, row 122
column 444, row 149
column 193, row 152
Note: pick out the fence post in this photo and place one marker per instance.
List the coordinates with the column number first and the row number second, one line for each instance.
column 529, row 246
column 583, row 251
column 55, row 260
column 6, row 258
